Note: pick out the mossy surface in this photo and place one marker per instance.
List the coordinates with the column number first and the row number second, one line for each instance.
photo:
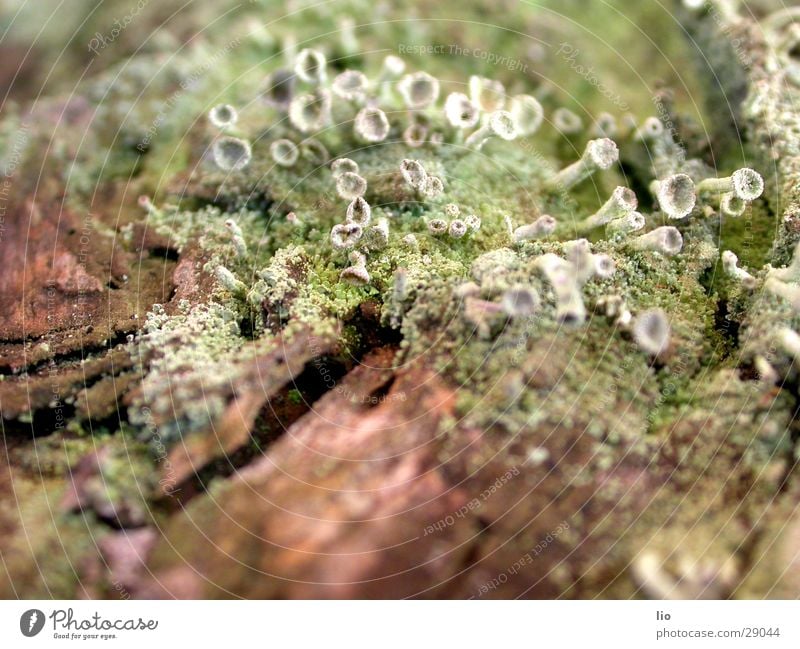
column 245, row 270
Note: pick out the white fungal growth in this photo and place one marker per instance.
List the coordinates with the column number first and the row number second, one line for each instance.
column 310, row 66
column 452, row 211
column 789, row 342
column 541, row 227
column 745, row 183
column 473, row 222
column 567, row 122
column 527, row 114
column 350, row 185
column 343, row 165
column 500, row 124
column 314, row 151
column 792, row 272
column 605, row 125
column 520, row 302
column 460, row 111
column 391, row 69
column 578, row 252
column 667, row 240
column 410, row 240
column 231, row 153
column 599, row 155
column 604, row 266
column 566, row 286
column 457, row 228
column 631, row 222
column 413, row 173
column 730, row 265
column 614, row 306
column 357, row 275
column 284, row 152
column 437, row 226
column 345, row 235
column 237, row 238
column 651, row 331
column 279, row 89
column 432, row 187
column 487, row 94
column 651, row 129
column 731, row 205
column 676, row 195
column 311, row 112
column 359, row 212
column 622, row 202
column 415, row 135
column 223, row 116
column 371, row 124
column 377, row 236
column 347, row 35
column 419, row 90
column 350, row 85
column 789, row 292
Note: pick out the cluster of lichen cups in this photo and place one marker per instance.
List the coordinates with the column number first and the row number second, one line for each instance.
column 473, row 120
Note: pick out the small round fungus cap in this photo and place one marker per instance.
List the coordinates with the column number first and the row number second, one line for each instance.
column 666, row 239
column 309, row 66
column 345, row 235
column 502, row 125
column 314, row 151
column 676, row 196
column 419, row 90
column 604, row 266
column 457, row 228
column 567, row 122
column 747, row 184
column 625, row 198
column 651, row 331
column 371, row 124
column 473, row 222
column 359, row 212
column 602, row 153
column 731, row 205
column 223, row 116
column 284, row 152
column 311, row 112
column 279, row 89
column 231, row 153
column 413, row 173
column 605, row 125
column 650, row 129
column 356, row 275
column 460, row 111
column 393, row 66
column 350, row 185
column 520, row 301
column 350, row 85
column 437, row 226
column 415, row 135
column 343, row 165
column 487, row 94
column 433, row 187
column 527, row 113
